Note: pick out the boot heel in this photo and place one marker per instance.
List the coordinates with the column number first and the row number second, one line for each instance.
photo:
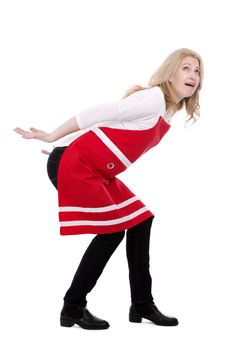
column 66, row 323
column 135, row 318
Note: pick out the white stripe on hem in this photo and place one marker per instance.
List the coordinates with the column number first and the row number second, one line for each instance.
column 100, row 209
column 112, row 146
column 104, row 223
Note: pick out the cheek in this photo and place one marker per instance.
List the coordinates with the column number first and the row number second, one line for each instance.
column 181, row 75
column 179, row 81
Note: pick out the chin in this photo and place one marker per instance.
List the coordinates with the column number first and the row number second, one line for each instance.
column 189, row 95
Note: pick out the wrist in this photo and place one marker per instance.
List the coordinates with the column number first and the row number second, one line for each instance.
column 51, row 137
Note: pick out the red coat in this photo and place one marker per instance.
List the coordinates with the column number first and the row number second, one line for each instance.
column 91, row 198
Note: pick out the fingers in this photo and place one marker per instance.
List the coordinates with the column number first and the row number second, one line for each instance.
column 19, row 130
column 25, row 134
column 28, row 135
column 33, row 133
column 45, row 152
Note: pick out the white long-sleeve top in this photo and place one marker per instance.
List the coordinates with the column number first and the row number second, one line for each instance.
column 139, row 111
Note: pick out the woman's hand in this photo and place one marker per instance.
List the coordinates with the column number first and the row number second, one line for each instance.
column 34, row 134
column 45, row 152
column 66, row 128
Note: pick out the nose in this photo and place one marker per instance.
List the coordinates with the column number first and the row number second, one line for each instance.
column 194, row 75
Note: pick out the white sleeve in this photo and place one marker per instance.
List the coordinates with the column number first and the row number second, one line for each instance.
column 98, row 114
column 139, row 105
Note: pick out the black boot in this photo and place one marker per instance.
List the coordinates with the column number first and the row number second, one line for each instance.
column 149, row 311
column 73, row 314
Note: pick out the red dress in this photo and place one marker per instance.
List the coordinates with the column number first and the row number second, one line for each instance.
column 91, row 198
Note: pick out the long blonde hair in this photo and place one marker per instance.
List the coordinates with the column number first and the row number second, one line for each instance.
column 161, row 78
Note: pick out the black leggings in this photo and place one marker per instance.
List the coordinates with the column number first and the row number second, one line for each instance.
column 100, row 250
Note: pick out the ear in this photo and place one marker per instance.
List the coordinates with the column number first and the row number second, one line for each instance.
column 171, row 78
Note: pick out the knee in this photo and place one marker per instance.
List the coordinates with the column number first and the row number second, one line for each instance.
column 144, row 226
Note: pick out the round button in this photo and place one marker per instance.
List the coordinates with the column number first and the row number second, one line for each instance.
column 110, row 165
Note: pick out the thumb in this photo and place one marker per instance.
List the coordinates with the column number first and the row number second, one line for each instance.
column 34, row 129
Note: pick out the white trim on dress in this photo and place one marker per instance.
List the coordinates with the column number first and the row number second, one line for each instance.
column 106, row 140
column 104, row 222
column 99, row 209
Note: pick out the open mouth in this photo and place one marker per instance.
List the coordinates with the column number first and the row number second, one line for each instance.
column 190, row 84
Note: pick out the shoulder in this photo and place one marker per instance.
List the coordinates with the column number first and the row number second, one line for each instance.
column 156, row 92
column 143, row 104
column 153, row 96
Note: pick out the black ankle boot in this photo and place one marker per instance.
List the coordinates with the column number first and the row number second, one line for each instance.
column 73, row 314
column 149, row 311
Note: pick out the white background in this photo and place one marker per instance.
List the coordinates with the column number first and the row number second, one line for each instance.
column 58, row 57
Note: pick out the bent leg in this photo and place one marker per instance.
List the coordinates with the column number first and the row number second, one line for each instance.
column 91, row 266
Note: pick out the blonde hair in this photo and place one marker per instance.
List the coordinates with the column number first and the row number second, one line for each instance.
column 161, row 78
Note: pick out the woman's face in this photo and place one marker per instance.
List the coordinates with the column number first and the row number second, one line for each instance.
column 186, row 79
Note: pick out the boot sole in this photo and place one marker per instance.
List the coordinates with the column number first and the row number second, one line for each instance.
column 138, row 319
column 65, row 322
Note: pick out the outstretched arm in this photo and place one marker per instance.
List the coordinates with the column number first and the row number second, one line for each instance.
column 67, row 128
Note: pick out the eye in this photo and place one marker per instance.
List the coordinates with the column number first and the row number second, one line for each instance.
column 186, row 68
column 197, row 72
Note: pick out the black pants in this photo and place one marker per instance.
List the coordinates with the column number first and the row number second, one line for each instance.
column 100, row 250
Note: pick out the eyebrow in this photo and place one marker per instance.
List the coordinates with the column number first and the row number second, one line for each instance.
column 190, row 65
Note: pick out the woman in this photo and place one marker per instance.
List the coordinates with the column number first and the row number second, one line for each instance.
column 91, row 198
